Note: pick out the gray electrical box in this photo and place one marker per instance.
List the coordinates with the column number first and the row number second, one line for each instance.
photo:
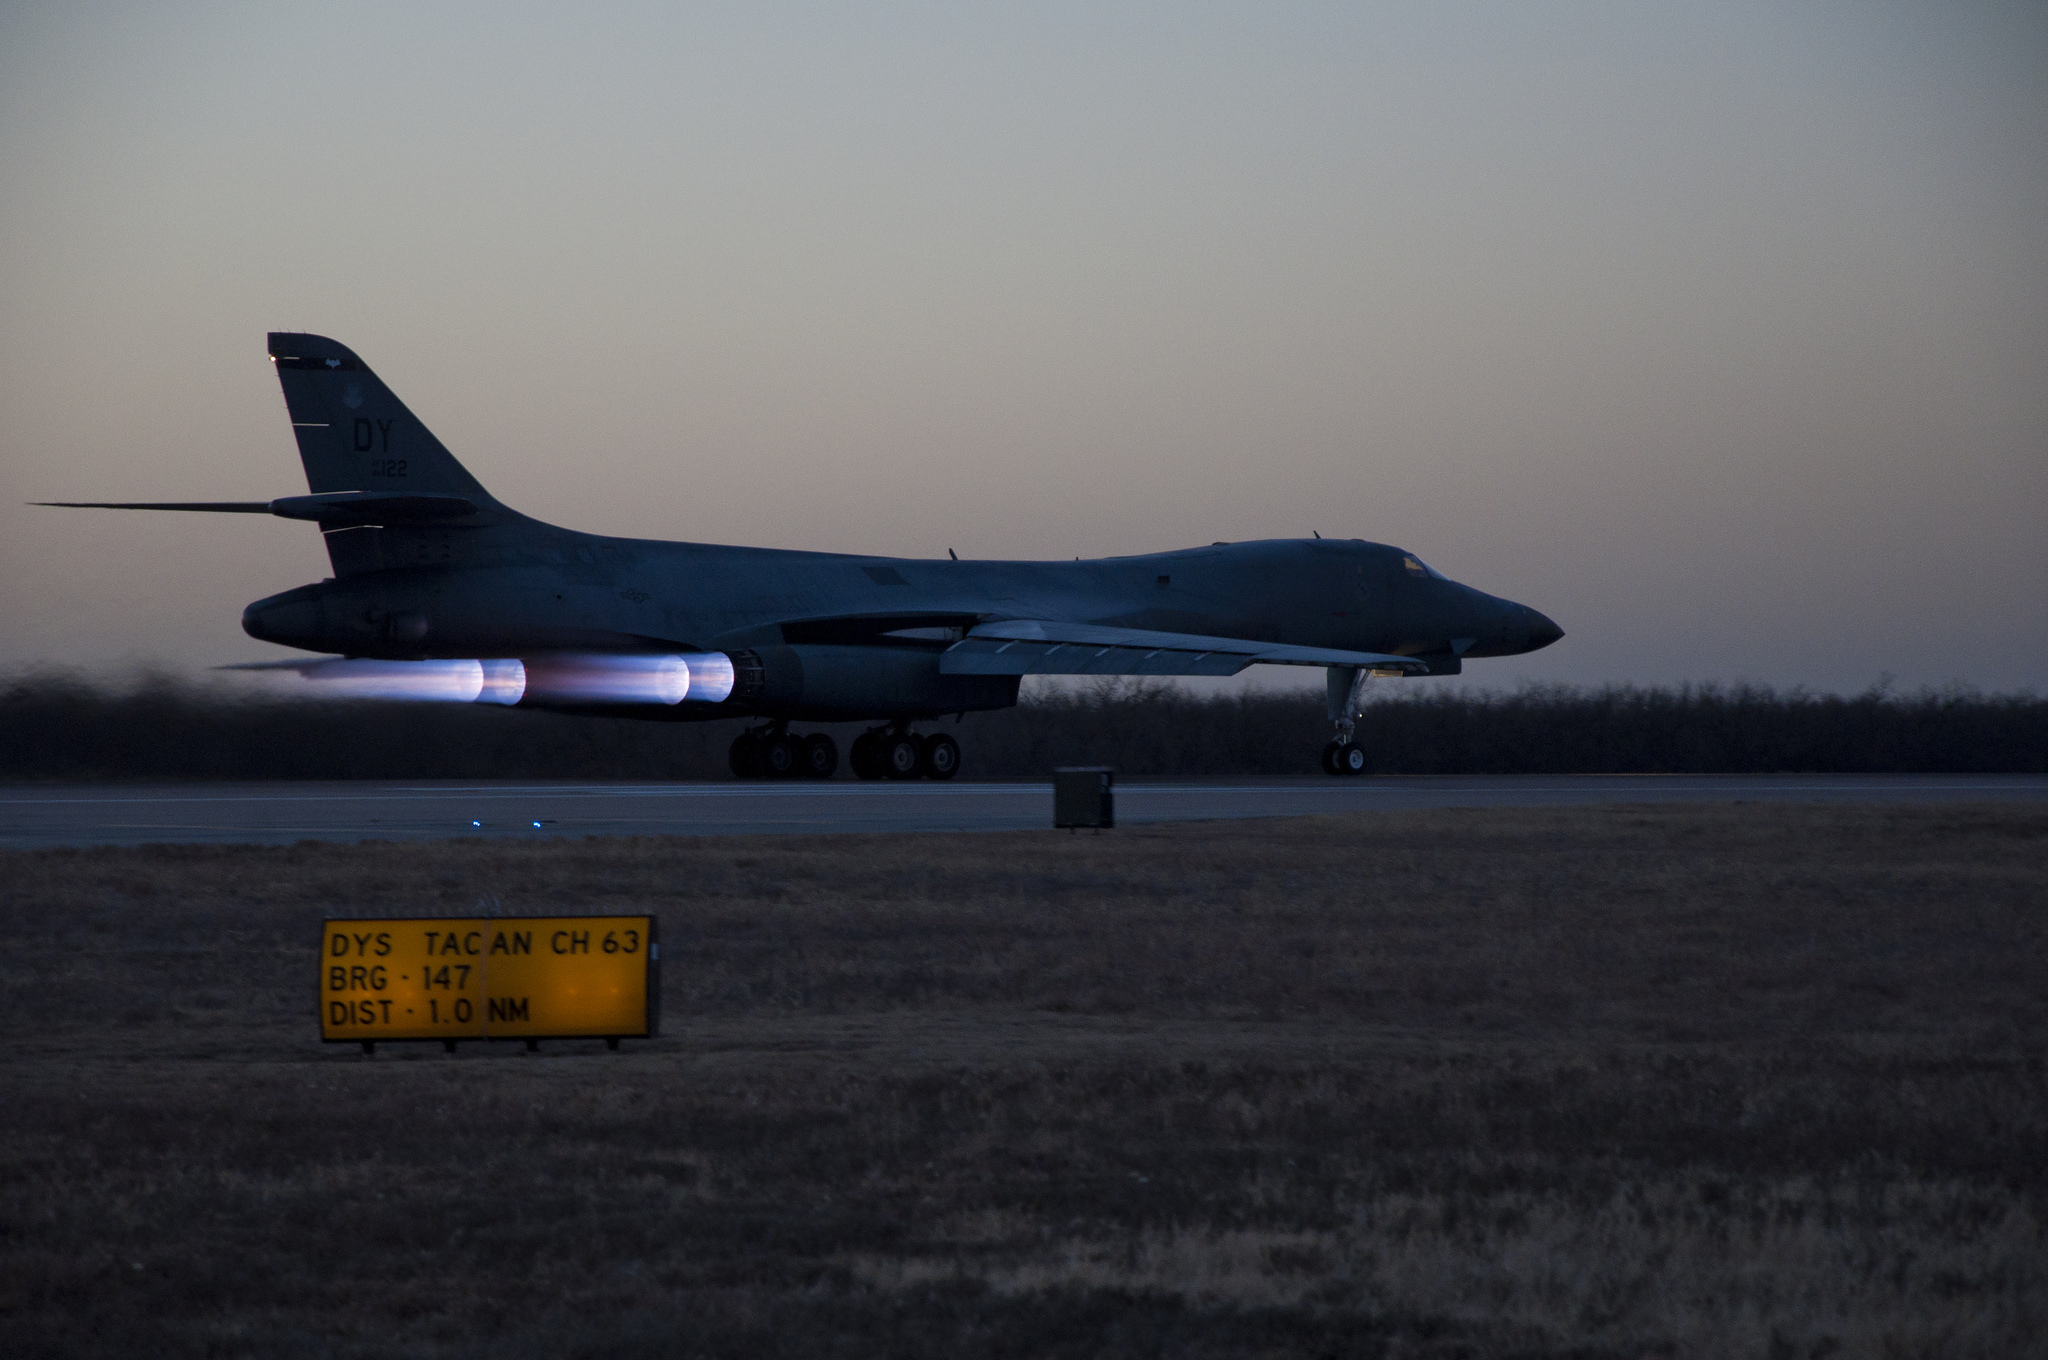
column 1083, row 795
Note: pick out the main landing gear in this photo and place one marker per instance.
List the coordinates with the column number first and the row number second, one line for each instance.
column 889, row 752
column 772, row 752
column 896, row 752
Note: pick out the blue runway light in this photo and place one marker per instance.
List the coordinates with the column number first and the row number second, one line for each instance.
column 476, row 823
column 536, row 823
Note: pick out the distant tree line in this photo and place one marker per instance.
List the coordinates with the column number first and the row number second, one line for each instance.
column 55, row 726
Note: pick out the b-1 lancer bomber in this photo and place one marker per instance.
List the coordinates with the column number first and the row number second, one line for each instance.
column 441, row 590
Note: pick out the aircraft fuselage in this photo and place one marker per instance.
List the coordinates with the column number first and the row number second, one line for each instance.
column 564, row 591
column 483, row 603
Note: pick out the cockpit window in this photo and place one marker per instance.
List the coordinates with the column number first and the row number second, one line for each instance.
column 1417, row 567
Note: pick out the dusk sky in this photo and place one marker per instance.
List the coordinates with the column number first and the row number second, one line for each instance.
column 1718, row 333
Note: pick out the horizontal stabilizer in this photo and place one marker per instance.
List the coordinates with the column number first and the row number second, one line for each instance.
column 330, row 508
column 211, row 507
column 1044, row 647
column 295, row 664
column 370, row 507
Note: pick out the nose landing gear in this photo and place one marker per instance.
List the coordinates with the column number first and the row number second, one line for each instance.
column 1343, row 756
column 896, row 752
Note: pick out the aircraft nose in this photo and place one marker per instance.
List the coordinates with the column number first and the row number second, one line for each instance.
column 1542, row 631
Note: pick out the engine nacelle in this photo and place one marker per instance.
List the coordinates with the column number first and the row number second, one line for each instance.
column 405, row 616
column 390, row 621
column 832, row 683
column 569, row 666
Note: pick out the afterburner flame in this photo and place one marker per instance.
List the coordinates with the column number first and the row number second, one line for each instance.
column 504, row 682
column 454, row 682
column 556, row 678
column 603, row 678
column 710, row 677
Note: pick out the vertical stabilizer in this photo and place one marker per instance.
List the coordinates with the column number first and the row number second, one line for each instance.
column 355, row 435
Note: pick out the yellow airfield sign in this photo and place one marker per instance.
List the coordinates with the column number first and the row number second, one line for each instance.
column 530, row 977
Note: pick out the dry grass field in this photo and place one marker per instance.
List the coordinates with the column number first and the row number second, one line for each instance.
column 1674, row 1080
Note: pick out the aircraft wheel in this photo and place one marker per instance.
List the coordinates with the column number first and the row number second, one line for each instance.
column 820, row 756
column 1351, row 759
column 1330, row 758
column 865, row 757
column 745, row 756
column 940, row 758
column 780, row 758
column 902, row 755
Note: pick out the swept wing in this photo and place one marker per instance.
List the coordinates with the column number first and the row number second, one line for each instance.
column 1050, row 647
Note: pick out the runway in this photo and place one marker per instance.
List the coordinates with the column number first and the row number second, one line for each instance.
column 42, row 816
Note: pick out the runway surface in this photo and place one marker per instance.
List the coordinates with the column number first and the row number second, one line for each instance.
column 34, row 816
